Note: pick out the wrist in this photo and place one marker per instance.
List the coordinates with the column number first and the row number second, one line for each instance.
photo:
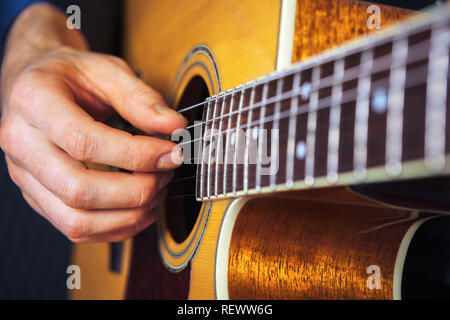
column 38, row 30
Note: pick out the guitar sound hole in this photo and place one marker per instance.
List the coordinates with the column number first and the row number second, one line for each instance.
column 181, row 208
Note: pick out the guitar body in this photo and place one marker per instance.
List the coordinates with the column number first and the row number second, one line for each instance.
column 327, row 243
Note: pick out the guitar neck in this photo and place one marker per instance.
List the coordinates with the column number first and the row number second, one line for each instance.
column 376, row 110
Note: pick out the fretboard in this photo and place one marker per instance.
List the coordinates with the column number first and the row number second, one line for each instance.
column 375, row 110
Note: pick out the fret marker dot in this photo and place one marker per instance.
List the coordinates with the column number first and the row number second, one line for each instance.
column 255, row 132
column 305, row 90
column 300, row 150
column 379, row 100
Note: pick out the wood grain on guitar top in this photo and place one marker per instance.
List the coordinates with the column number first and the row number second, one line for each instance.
column 323, row 24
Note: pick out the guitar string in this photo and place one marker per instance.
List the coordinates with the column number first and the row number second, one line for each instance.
column 277, row 77
column 324, row 104
column 228, row 167
column 301, row 67
column 321, row 146
column 301, row 109
column 350, row 74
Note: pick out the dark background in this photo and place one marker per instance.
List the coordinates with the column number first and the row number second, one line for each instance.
column 33, row 254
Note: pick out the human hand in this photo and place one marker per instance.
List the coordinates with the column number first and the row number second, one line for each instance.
column 52, row 105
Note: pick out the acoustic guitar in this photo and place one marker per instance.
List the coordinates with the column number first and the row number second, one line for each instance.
column 318, row 158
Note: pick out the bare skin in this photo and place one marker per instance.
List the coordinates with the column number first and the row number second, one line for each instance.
column 55, row 93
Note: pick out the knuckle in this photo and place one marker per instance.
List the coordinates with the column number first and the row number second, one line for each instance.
column 137, row 216
column 14, row 176
column 22, row 94
column 8, row 140
column 137, row 159
column 142, row 94
column 146, row 192
column 117, row 61
column 143, row 155
column 13, row 144
column 74, row 227
column 77, row 193
column 80, row 144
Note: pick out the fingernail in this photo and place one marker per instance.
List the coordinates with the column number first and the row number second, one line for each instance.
column 167, row 112
column 171, row 160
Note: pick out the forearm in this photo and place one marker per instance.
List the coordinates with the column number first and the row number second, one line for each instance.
column 38, row 29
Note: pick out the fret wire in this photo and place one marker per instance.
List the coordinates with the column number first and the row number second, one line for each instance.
column 291, row 94
column 247, row 139
column 429, row 94
column 436, row 95
column 203, row 149
column 210, row 150
column 219, row 146
column 325, row 82
column 349, row 96
column 311, row 129
column 335, row 117
column 394, row 121
column 227, row 142
column 260, row 135
column 275, row 145
column 325, row 146
column 291, row 131
column 418, row 71
column 327, row 56
column 236, row 141
column 323, row 103
column 362, row 116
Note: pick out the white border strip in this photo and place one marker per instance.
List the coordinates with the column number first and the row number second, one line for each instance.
column 223, row 248
column 286, row 34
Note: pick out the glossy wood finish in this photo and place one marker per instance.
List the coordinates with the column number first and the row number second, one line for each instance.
column 203, row 265
column 316, row 248
column 323, row 24
column 159, row 35
column 242, row 35
column 148, row 277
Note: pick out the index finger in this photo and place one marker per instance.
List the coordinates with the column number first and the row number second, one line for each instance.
column 85, row 139
column 111, row 79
